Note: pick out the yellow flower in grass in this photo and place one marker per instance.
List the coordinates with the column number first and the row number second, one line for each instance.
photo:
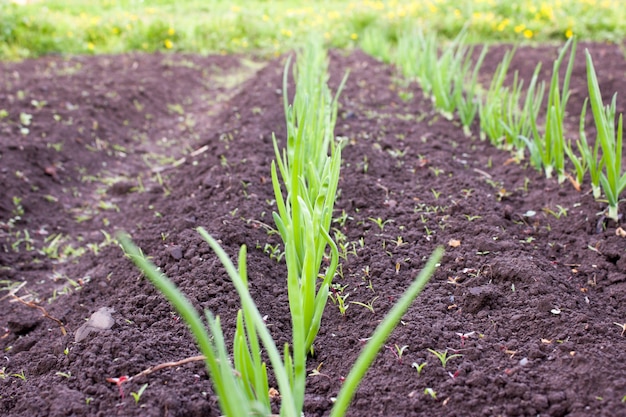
column 286, row 32
column 354, row 36
column 90, row 46
column 171, row 31
column 502, row 25
column 569, row 33
column 168, row 44
column 519, row 28
column 528, row 33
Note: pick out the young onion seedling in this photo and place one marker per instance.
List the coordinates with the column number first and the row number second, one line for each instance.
column 612, row 179
column 242, row 388
column 547, row 148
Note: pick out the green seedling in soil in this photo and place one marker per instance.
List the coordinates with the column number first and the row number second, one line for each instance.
column 471, row 218
column 341, row 220
column 369, row 305
column 344, row 250
column 380, row 222
column 67, row 375
column 622, row 326
column 561, row 211
column 274, row 251
column 137, row 395
column 465, row 336
column 26, row 119
column 242, row 388
column 21, row 375
column 317, row 372
column 419, row 367
column 338, row 297
column 431, row 393
column 443, row 356
column 400, row 242
column 398, row 351
column 612, row 179
column 436, row 171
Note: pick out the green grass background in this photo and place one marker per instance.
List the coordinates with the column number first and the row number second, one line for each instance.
column 41, row 27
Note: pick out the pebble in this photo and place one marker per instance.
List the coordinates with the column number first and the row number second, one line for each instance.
column 100, row 320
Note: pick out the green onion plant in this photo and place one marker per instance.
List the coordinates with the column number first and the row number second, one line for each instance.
column 612, row 178
column 448, row 75
column 588, row 159
column 466, row 89
column 492, row 105
column 516, row 121
column 547, row 148
column 414, row 56
column 242, row 388
column 309, row 168
column 444, row 70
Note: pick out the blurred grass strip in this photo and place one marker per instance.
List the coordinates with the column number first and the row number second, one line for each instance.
column 42, row 27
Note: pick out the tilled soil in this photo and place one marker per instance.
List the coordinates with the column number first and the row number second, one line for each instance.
column 158, row 145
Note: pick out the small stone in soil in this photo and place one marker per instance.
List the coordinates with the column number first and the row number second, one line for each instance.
column 100, row 320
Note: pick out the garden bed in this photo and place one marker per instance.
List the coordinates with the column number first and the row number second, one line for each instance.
column 529, row 291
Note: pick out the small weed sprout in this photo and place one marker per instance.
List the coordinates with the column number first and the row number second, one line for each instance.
column 561, row 211
column 397, row 351
column 380, row 222
column 338, row 297
column 341, row 220
column 369, row 305
column 431, row 393
column 471, row 218
column 443, row 356
column 21, row 375
column 137, row 395
column 419, row 367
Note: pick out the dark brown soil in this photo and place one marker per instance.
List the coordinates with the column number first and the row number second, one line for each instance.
column 158, row 145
